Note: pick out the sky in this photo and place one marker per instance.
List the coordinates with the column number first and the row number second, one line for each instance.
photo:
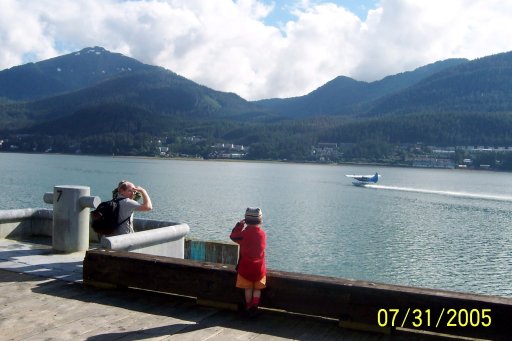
column 260, row 48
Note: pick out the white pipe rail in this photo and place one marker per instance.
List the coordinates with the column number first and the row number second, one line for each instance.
column 163, row 241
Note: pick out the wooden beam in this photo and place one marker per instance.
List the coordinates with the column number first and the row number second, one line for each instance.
column 212, row 281
column 354, row 303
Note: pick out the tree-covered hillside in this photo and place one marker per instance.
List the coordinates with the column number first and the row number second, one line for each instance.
column 131, row 111
column 480, row 86
column 345, row 96
column 62, row 74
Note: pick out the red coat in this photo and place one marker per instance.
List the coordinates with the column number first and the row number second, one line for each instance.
column 251, row 260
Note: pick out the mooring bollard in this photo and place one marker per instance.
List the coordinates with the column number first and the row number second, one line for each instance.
column 71, row 206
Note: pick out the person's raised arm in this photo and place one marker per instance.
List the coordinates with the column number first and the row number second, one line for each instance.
column 146, row 200
column 236, row 234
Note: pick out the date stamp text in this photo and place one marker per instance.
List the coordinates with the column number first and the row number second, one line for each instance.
column 427, row 318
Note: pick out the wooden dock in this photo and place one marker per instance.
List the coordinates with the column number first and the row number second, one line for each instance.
column 356, row 304
column 38, row 308
column 42, row 298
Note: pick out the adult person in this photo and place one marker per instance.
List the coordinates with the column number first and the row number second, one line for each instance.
column 251, row 268
column 127, row 192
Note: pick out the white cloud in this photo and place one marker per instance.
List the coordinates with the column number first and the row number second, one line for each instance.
column 402, row 35
column 225, row 44
column 22, row 34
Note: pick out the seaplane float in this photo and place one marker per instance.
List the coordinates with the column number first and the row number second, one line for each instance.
column 363, row 180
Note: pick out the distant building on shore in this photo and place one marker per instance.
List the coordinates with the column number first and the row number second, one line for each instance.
column 430, row 162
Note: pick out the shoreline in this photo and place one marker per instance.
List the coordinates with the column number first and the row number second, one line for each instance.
column 348, row 163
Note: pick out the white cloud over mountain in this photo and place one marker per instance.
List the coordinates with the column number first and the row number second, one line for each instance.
column 226, row 44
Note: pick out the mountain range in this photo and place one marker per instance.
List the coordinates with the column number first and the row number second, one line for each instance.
column 94, row 91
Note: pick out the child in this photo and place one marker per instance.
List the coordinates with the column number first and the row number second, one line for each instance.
column 251, row 261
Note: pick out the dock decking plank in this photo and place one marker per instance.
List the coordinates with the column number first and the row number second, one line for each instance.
column 22, row 295
column 36, row 308
column 53, row 317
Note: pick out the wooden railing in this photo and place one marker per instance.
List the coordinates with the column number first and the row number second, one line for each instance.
column 356, row 304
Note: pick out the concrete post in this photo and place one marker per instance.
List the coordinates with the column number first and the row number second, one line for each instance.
column 71, row 217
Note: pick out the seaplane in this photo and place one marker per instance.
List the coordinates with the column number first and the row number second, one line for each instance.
column 363, row 180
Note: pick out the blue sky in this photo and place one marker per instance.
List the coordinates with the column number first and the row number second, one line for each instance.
column 260, row 48
column 282, row 9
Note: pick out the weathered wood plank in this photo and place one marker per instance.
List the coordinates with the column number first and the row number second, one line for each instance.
column 60, row 316
column 9, row 277
column 205, row 329
column 96, row 314
column 347, row 300
column 159, row 274
column 59, row 289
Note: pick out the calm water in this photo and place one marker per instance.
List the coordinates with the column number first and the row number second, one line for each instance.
column 447, row 229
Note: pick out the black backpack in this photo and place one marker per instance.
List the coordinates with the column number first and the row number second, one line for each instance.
column 104, row 217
